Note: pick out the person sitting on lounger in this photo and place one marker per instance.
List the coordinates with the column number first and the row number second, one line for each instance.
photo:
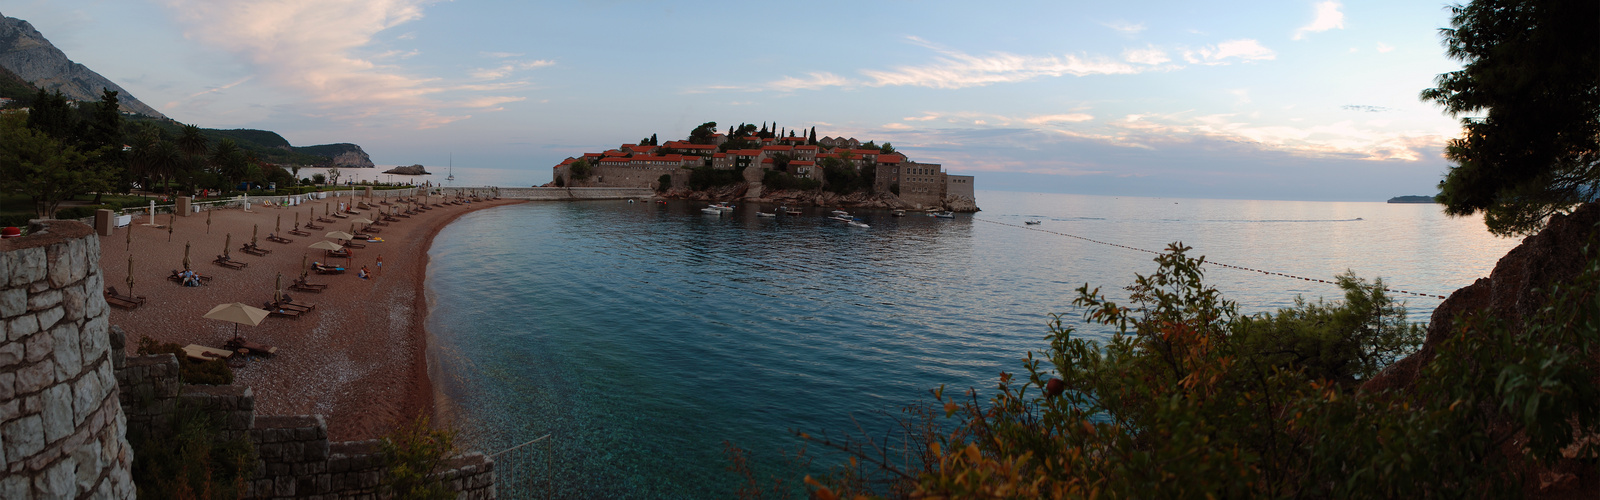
column 363, row 272
column 190, row 278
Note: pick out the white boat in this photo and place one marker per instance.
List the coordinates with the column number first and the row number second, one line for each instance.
column 841, row 213
column 793, row 212
column 723, row 207
column 899, row 213
column 764, row 214
column 856, row 223
column 840, row 218
column 710, row 210
column 945, row 215
column 1033, row 222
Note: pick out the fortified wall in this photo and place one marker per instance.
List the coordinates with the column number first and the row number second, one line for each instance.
column 553, row 193
column 61, row 427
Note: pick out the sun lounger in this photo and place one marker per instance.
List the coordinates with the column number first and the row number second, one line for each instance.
column 254, row 250
column 128, row 302
column 390, row 218
column 239, row 343
column 321, row 269
column 278, row 239
column 203, row 353
column 289, row 303
column 370, row 229
column 298, row 232
column 352, row 244
column 175, row 277
column 341, row 216
column 315, row 227
column 338, row 253
column 323, row 219
column 224, row 261
column 305, row 286
column 274, row 310
column 362, row 236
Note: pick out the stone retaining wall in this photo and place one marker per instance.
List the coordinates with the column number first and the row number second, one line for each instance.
column 553, row 193
column 295, row 458
column 61, row 427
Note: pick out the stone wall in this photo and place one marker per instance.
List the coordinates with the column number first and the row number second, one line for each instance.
column 61, row 427
column 296, row 460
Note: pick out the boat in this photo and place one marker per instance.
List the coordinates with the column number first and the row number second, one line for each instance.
column 899, row 213
column 710, row 210
column 764, row 214
column 945, row 215
column 840, row 218
column 452, row 168
column 722, row 206
column 1033, row 222
column 841, row 213
column 630, row 200
column 793, row 212
column 856, row 223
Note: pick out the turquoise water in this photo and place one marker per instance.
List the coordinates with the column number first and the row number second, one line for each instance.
column 642, row 336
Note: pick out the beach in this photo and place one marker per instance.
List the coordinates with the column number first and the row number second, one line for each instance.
column 359, row 358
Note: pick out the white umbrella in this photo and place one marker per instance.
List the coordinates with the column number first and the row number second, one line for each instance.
column 238, row 314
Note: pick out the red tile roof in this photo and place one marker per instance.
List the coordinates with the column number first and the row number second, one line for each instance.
column 777, row 148
column 890, row 158
column 801, row 163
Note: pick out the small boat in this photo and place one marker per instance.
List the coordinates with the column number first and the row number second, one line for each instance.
column 899, row 213
column 723, row 207
column 710, row 210
column 841, row 213
column 856, row 223
column 793, row 212
column 840, row 218
column 764, row 214
column 630, row 200
column 1033, row 222
column 663, row 202
column 945, row 215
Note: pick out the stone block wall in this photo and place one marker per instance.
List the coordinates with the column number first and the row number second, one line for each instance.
column 559, row 194
column 296, row 460
column 61, row 427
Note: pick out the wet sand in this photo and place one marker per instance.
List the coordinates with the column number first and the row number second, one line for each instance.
column 359, row 359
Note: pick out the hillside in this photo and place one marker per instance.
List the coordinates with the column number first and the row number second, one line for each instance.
column 26, row 53
column 14, row 87
column 273, row 148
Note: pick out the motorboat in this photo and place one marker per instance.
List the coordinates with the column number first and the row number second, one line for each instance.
column 899, row 213
column 1033, row 222
column 765, row 214
column 793, row 212
column 840, row 218
column 856, row 223
column 945, row 215
column 841, row 213
column 723, row 207
column 711, row 210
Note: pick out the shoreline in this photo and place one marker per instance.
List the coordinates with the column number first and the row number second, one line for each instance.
column 360, row 359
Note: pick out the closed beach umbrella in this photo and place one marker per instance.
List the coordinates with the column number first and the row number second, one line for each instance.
column 297, row 220
column 277, row 294
column 130, row 276
column 304, row 271
column 227, row 242
column 278, row 228
column 255, row 228
column 339, row 235
column 238, row 314
column 186, row 256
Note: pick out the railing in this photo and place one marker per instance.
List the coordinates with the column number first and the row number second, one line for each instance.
column 515, row 475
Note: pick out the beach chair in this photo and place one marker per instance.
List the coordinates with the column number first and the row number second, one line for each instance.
column 289, row 303
column 390, row 218
column 239, row 343
column 305, row 286
column 128, row 302
column 315, row 227
column 278, row 239
column 352, row 244
column 202, row 353
column 274, row 311
column 321, row 269
column 252, row 249
column 322, row 219
column 340, row 215
column 224, row 261
column 370, row 229
column 297, row 232
column 342, row 254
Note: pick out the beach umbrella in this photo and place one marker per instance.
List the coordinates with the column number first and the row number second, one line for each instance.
column 208, row 222
column 304, row 270
column 238, row 314
column 130, row 276
column 255, row 228
column 186, row 256
column 278, row 228
column 329, row 245
column 172, row 222
column 339, row 235
column 277, row 295
column 227, row 242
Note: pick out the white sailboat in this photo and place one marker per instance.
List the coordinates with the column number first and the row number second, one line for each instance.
column 452, row 168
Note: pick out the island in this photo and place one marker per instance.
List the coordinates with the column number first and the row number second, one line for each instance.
column 772, row 165
column 1412, row 199
column 411, row 170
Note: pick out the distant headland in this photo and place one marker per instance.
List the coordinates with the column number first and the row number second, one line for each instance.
column 411, row 170
column 1412, row 199
column 790, row 166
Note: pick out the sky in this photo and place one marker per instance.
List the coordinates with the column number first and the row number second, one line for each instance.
column 1298, row 100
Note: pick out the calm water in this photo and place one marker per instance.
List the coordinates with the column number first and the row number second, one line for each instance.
column 641, row 336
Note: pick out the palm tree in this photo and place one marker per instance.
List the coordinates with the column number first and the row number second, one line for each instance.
column 194, row 146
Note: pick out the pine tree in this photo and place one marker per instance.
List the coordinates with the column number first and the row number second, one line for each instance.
column 813, row 140
column 653, row 140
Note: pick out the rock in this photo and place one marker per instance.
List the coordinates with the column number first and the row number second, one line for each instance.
column 1511, row 292
column 411, row 170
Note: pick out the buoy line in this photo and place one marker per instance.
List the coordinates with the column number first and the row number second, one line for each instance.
column 1229, row 266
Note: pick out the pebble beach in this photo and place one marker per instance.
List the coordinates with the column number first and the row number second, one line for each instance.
column 359, row 358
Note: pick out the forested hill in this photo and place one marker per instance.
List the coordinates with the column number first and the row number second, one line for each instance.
column 272, row 148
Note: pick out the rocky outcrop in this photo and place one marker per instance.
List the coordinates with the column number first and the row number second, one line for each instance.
column 1511, row 292
column 411, row 170
column 26, row 52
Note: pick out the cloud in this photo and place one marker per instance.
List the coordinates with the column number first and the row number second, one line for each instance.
column 505, row 70
column 1365, row 108
column 316, row 48
column 955, row 69
column 1385, row 48
column 499, row 55
column 1328, row 17
column 1125, row 27
column 1151, row 55
column 813, row 81
column 1336, row 140
column 1243, row 50
column 1067, row 118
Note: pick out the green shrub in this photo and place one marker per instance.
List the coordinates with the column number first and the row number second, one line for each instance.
column 783, row 181
column 703, row 178
column 81, row 211
column 664, row 182
column 188, row 460
column 414, row 454
column 1191, row 399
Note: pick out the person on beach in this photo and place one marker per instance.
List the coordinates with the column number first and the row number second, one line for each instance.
column 380, row 264
column 363, row 273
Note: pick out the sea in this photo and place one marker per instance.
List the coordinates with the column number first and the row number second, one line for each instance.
column 640, row 340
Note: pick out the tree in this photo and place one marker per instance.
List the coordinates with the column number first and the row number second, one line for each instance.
column 580, row 170
column 702, row 134
column 52, row 115
column 886, row 149
column 45, row 169
column 1532, row 69
column 664, row 182
column 813, row 140
column 333, row 175
column 653, row 141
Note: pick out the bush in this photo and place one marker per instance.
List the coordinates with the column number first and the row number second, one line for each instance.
column 80, row 212
column 188, row 460
column 664, row 182
column 703, row 178
column 580, row 170
column 214, row 372
column 1190, row 399
column 414, row 455
column 779, row 180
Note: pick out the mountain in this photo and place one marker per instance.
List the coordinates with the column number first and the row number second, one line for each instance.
column 25, row 52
